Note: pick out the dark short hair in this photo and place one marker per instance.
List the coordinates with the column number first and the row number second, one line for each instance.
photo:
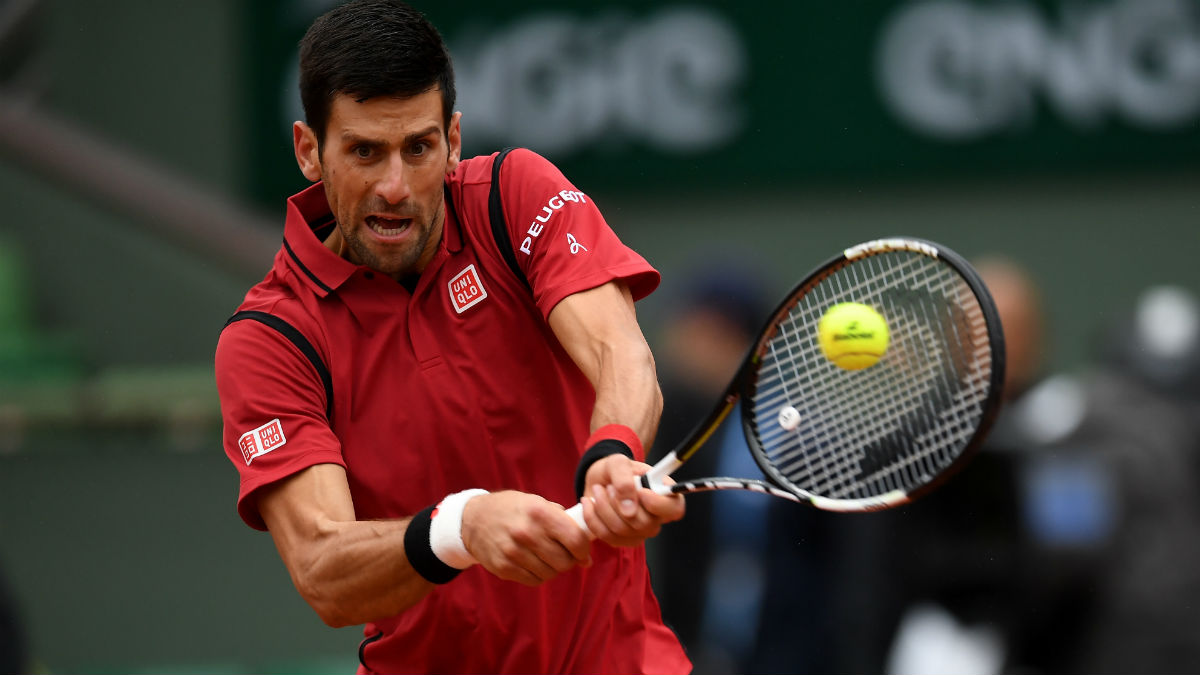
column 370, row 48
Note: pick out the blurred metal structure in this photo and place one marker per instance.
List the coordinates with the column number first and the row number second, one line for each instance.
column 174, row 207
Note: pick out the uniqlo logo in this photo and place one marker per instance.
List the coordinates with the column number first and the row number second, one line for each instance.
column 466, row 289
column 261, row 440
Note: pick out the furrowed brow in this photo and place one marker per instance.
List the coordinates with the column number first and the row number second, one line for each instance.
column 418, row 135
column 351, row 138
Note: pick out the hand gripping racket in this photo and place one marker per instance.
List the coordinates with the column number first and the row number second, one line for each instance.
column 874, row 438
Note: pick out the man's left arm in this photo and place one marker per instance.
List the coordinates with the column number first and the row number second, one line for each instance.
column 599, row 329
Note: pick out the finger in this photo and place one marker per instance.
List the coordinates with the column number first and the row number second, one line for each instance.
column 599, row 527
column 618, row 530
column 606, row 511
column 664, row 508
column 550, row 539
column 596, row 526
column 557, row 559
column 624, row 496
column 622, row 473
column 524, row 569
column 574, row 541
column 623, row 480
column 578, row 555
column 641, row 522
column 560, row 555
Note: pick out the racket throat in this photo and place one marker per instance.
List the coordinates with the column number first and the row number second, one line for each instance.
column 653, row 479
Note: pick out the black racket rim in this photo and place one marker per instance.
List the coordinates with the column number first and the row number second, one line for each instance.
column 745, row 381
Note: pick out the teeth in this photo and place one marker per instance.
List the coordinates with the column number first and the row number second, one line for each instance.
column 384, row 231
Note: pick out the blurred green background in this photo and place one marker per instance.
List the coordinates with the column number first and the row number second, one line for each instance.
column 145, row 156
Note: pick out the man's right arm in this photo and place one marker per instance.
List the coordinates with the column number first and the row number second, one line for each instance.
column 352, row 572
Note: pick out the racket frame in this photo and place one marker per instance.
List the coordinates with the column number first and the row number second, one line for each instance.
column 740, row 388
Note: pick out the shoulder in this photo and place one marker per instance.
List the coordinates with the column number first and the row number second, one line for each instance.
column 272, row 323
column 524, row 167
column 519, row 166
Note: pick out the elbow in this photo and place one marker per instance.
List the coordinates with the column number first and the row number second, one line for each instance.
column 335, row 619
column 338, row 606
column 331, row 609
column 331, row 612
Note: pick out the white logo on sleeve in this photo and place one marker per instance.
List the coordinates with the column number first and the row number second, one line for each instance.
column 552, row 207
column 466, row 289
column 261, row 440
column 576, row 247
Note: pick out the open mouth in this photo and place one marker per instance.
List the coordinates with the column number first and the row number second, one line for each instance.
column 388, row 227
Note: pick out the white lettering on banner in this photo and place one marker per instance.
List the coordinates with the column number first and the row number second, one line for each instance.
column 958, row 70
column 560, row 83
column 555, row 203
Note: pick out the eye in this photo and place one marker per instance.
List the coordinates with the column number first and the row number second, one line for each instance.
column 419, row 148
column 362, row 151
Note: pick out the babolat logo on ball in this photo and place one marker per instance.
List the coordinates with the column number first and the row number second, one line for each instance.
column 853, row 332
column 852, row 335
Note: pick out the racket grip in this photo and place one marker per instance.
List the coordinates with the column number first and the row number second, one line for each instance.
column 576, row 513
column 651, row 480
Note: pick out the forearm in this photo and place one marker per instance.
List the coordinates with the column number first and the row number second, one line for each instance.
column 355, row 572
column 627, row 391
column 352, row 572
column 599, row 329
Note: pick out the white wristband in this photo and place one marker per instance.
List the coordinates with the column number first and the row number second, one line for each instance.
column 445, row 530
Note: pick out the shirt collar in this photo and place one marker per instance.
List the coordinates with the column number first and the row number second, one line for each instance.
column 322, row 269
column 452, row 237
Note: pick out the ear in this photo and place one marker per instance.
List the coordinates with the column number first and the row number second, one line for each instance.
column 308, row 156
column 454, row 139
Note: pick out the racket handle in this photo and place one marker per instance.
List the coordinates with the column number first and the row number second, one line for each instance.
column 652, row 480
column 576, row 513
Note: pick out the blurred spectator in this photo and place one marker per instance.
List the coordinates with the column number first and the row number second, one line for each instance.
column 1157, row 342
column 707, row 568
column 1139, row 415
column 991, row 572
column 1068, row 544
column 938, row 585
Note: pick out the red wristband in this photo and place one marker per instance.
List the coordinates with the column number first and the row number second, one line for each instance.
column 608, row 440
column 618, row 432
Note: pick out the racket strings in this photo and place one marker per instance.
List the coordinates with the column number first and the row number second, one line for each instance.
column 831, row 462
column 892, row 426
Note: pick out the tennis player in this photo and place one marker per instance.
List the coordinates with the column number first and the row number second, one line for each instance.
column 409, row 414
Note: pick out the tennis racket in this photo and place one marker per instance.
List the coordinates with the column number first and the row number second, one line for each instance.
column 869, row 439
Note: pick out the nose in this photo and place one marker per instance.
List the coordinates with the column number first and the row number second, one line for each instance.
column 393, row 186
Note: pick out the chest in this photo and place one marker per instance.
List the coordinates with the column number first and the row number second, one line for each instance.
column 459, row 384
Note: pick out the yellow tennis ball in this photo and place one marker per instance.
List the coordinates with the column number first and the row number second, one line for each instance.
column 853, row 335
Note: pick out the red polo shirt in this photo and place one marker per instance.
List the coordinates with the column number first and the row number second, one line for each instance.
column 459, row 384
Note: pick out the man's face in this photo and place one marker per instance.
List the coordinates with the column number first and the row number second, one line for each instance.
column 383, row 164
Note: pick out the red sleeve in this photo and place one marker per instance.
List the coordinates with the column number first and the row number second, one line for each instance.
column 559, row 237
column 273, row 409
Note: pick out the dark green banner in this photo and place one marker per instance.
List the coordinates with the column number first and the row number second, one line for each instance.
column 728, row 95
